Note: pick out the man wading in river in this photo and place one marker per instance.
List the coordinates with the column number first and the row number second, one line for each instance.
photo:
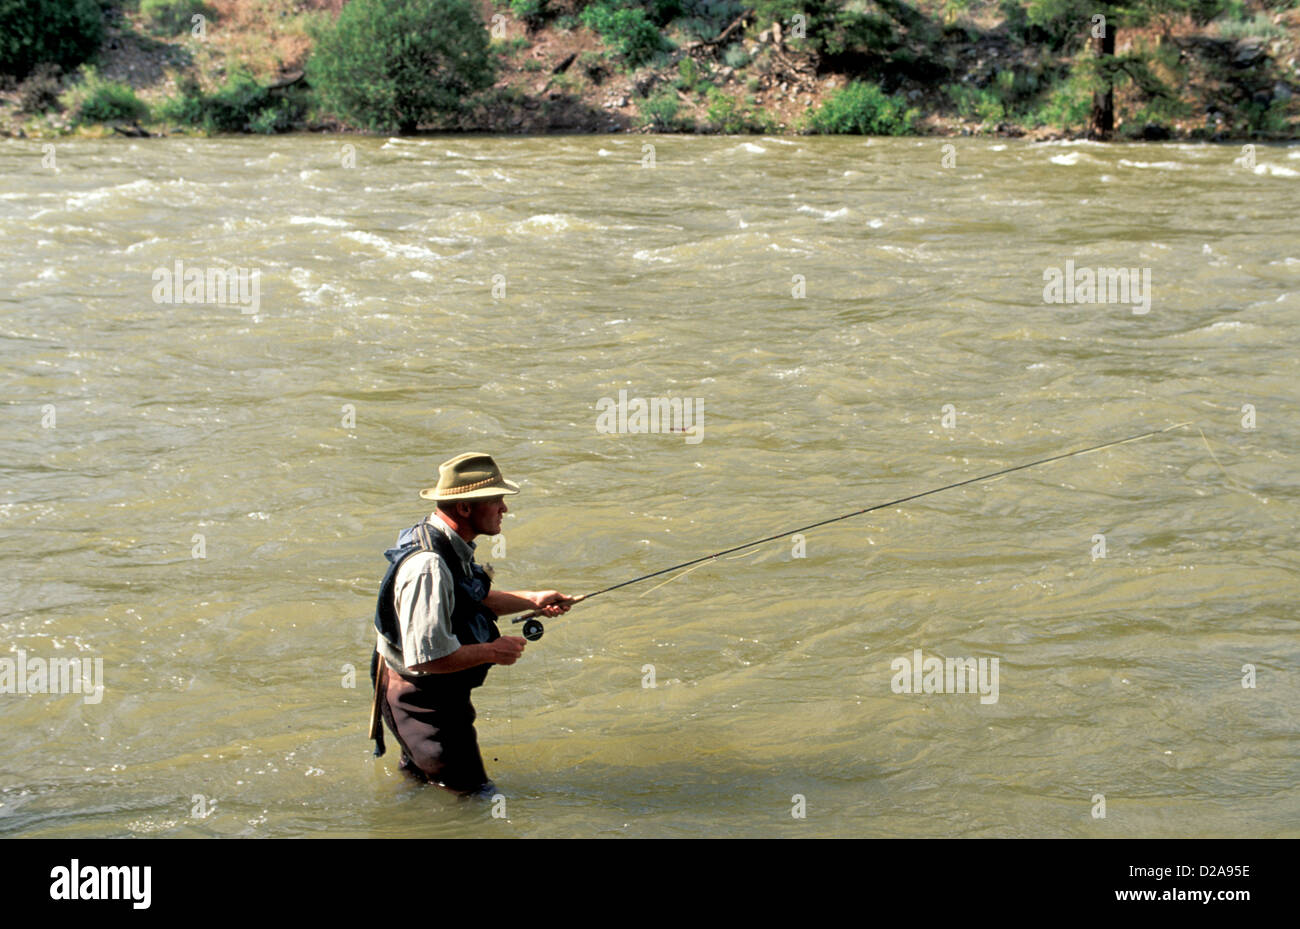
column 437, row 633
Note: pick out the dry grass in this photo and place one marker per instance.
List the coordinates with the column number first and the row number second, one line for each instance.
column 269, row 37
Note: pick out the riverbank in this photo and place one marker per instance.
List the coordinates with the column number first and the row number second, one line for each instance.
column 967, row 71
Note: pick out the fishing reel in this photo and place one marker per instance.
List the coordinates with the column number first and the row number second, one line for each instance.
column 533, row 627
column 533, row 630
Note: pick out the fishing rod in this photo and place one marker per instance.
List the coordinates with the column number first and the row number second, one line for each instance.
column 533, row 628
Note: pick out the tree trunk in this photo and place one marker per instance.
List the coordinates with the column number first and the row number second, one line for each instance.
column 1103, row 101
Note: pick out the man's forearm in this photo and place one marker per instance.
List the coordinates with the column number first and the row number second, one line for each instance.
column 503, row 602
column 467, row 656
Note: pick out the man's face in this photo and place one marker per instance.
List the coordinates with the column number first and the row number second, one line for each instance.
column 486, row 515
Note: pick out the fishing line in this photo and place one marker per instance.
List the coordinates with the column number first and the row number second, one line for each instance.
column 533, row 629
column 510, row 714
column 688, row 571
column 510, row 703
column 671, row 579
column 1231, row 482
column 1214, row 456
column 546, row 670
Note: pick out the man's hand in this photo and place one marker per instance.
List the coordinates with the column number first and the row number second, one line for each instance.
column 551, row 602
column 506, row 650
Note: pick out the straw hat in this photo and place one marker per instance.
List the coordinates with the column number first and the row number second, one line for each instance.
column 471, row 476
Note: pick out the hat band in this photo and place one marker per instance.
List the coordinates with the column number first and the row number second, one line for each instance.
column 467, row 487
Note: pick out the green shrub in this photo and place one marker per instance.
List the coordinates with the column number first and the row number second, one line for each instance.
column 233, row 105
column 40, row 92
column 1261, row 26
column 729, row 116
column 704, row 19
column 725, row 112
column 566, row 83
column 819, row 17
column 1056, row 24
column 96, row 100
column 659, row 111
column 272, row 119
column 1265, row 120
column 173, row 17
column 242, row 104
column 663, row 12
column 736, row 56
column 980, row 103
column 629, row 29
column 863, row 109
column 1015, row 18
column 392, row 64
column 532, row 13
column 186, row 107
column 512, row 46
column 881, row 29
column 690, row 78
column 1068, row 105
column 1202, row 12
column 62, row 32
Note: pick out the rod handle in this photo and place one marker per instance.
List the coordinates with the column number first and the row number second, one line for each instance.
column 535, row 613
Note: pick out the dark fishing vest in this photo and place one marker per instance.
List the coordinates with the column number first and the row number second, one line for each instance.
column 471, row 621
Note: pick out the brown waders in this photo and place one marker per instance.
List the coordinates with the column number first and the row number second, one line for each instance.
column 435, row 727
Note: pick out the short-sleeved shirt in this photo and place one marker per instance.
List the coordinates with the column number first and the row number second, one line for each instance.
column 423, row 595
